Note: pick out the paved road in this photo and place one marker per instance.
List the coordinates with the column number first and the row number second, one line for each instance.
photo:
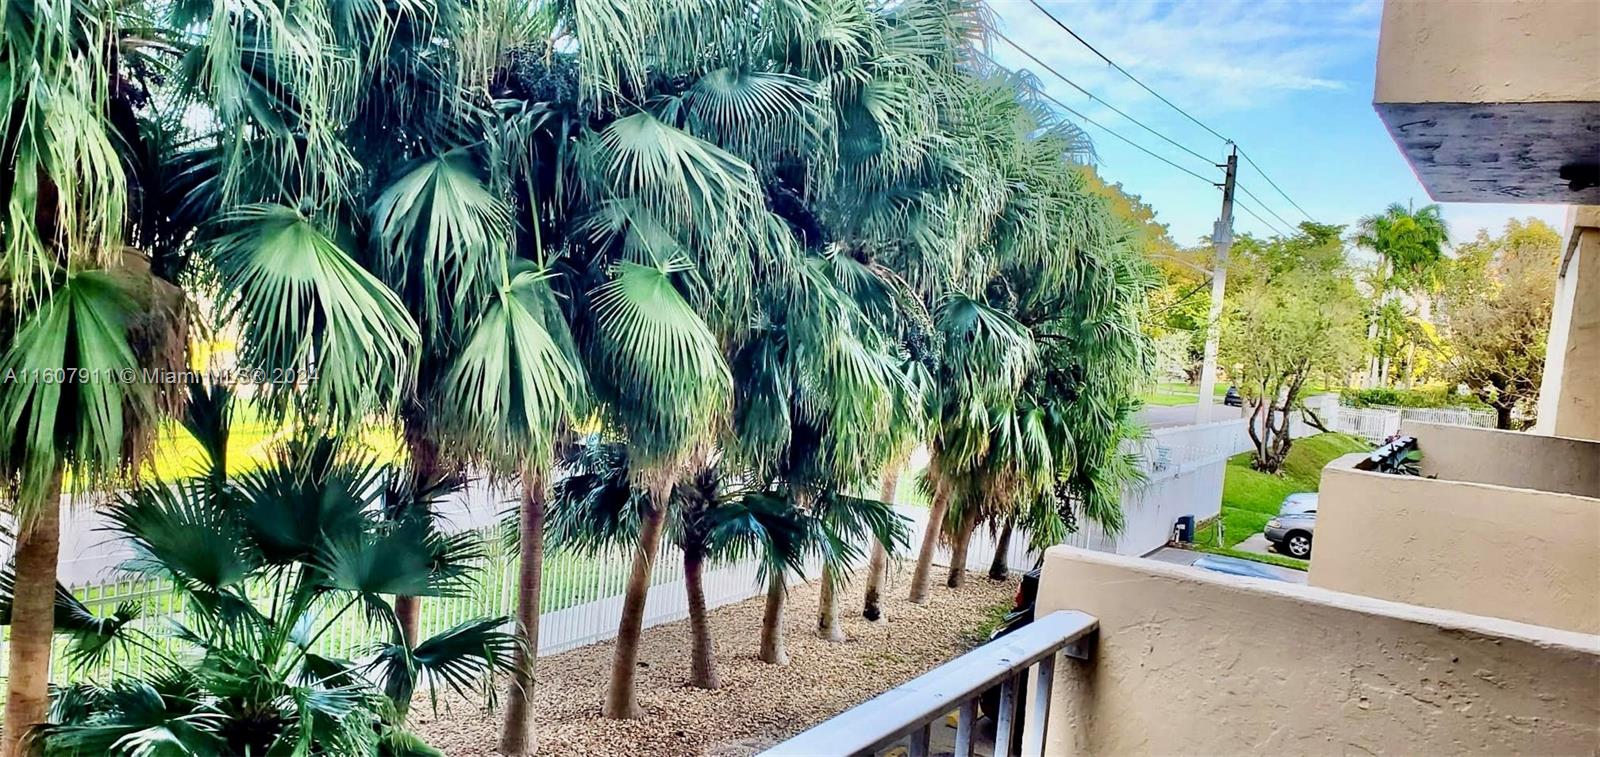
column 1160, row 416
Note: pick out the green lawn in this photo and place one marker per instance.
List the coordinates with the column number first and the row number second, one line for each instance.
column 1172, row 393
column 1250, row 498
column 251, row 438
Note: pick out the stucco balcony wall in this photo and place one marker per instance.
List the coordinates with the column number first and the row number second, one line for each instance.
column 1501, row 524
column 1193, row 662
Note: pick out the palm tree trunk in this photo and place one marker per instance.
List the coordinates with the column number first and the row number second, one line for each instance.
column 958, row 549
column 877, row 571
column 519, row 737
column 878, row 565
column 998, row 569
column 930, row 542
column 772, row 650
column 32, row 622
column 702, row 659
column 424, row 470
column 828, row 628
column 621, row 703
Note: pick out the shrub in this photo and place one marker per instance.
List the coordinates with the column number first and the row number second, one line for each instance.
column 1437, row 396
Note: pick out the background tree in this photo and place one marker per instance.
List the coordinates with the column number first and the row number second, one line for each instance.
column 1410, row 245
column 1496, row 315
column 1298, row 314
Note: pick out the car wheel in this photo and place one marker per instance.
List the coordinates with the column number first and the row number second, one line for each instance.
column 1298, row 544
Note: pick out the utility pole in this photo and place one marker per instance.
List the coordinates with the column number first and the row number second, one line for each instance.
column 1221, row 242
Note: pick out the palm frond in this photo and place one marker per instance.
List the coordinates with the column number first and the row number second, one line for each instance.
column 307, row 310
column 441, row 237
column 658, row 364
column 517, row 381
column 74, row 383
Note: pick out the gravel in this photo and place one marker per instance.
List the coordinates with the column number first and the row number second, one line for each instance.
column 758, row 704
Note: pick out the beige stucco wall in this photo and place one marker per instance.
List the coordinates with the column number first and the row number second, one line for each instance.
column 1508, row 458
column 1468, row 51
column 1191, row 662
column 1578, row 403
column 1519, row 554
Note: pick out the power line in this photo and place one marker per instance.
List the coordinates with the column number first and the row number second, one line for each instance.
column 1124, row 71
column 1113, row 132
column 1264, row 206
column 1264, row 222
column 1170, row 104
column 1275, row 186
column 1130, row 142
column 1092, row 96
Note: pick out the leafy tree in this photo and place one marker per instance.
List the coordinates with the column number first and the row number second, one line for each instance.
column 1297, row 314
column 1496, row 315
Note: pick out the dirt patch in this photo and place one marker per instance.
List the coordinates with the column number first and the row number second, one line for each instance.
column 758, row 704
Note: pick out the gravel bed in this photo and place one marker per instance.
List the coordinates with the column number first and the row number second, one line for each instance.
column 758, row 704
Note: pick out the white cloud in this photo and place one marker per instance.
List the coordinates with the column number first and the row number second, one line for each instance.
column 1209, row 57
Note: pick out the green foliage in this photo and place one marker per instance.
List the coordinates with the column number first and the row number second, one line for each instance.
column 1297, row 313
column 264, row 569
column 1497, row 316
column 72, row 397
column 764, row 250
column 1425, row 397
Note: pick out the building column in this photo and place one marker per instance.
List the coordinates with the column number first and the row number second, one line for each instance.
column 1569, row 395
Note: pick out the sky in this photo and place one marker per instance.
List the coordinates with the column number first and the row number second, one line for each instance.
column 1290, row 82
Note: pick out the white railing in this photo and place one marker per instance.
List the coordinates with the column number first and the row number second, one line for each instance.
column 906, row 713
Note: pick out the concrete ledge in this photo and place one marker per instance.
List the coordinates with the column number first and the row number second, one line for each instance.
column 1192, row 662
column 1493, row 100
column 1507, row 458
column 1500, row 551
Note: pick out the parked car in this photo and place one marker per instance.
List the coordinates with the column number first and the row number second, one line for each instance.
column 1299, row 503
column 1232, row 398
column 1291, row 534
column 1234, row 566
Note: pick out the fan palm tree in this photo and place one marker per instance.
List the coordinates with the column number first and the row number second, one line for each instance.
column 718, row 515
column 81, row 315
column 267, row 565
column 644, row 165
column 1410, row 244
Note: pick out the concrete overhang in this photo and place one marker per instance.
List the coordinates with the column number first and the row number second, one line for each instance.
column 1494, row 101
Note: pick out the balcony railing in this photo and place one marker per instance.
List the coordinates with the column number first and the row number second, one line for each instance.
column 907, row 711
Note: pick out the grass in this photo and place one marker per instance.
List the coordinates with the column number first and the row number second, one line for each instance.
column 251, row 438
column 569, row 579
column 1168, row 393
column 1250, row 498
column 992, row 618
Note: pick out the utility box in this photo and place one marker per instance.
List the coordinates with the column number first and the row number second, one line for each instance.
column 1183, row 530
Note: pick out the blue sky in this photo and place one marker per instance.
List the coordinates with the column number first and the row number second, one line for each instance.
column 1291, row 82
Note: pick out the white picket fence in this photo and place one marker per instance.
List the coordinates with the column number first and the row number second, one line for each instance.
column 582, row 595
column 1378, row 423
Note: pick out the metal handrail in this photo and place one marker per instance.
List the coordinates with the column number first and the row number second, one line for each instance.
column 910, row 708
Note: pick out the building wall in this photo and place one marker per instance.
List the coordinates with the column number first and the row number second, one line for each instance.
column 1505, row 51
column 1508, row 458
column 1519, row 554
column 1192, row 662
column 1578, row 403
column 1555, row 346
